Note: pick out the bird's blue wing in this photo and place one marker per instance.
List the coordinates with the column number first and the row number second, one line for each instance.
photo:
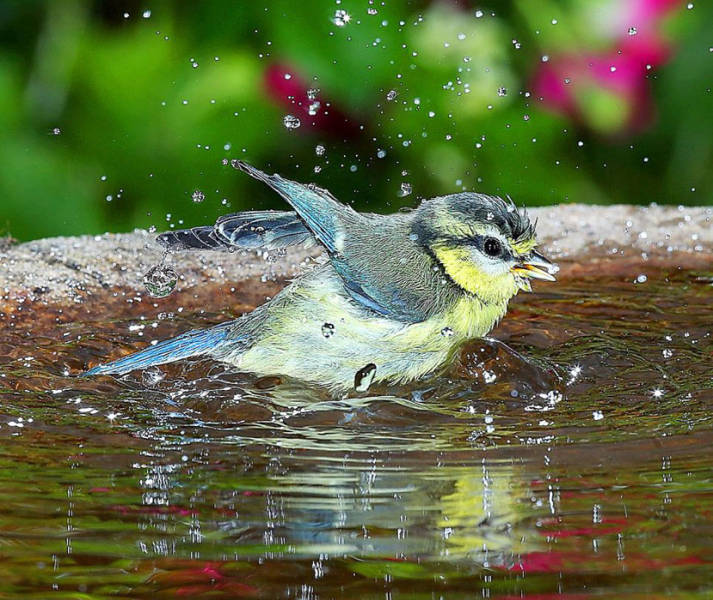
column 321, row 213
column 191, row 343
column 268, row 229
column 365, row 266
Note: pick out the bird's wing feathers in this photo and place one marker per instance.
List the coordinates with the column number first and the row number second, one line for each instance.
column 349, row 238
column 268, row 229
column 368, row 260
column 322, row 214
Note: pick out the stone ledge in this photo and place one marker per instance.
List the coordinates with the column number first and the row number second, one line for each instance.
column 83, row 270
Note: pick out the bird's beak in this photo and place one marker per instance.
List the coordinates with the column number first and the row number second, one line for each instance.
column 536, row 266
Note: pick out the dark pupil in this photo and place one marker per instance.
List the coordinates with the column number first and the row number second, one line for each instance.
column 492, row 247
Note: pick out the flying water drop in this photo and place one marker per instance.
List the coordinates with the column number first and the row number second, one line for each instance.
column 160, row 280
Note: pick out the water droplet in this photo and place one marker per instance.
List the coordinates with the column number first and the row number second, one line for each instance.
column 328, row 330
column 667, row 353
column 198, row 196
column 632, row 31
column 56, row 131
column 160, row 280
column 597, row 415
column 641, row 278
column 312, row 93
column 478, row 14
column 146, row 14
column 152, row 376
column 391, row 95
column 341, row 17
column 502, row 91
column 447, row 332
column 405, row 189
column 313, row 108
column 380, row 153
column 319, row 150
column 291, row 122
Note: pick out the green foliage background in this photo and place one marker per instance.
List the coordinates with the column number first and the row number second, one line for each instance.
column 139, row 123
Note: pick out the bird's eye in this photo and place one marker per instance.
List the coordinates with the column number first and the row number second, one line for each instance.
column 492, row 247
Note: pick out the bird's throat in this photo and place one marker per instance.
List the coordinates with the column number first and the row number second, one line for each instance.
column 460, row 268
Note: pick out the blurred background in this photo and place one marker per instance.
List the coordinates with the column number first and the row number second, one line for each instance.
column 116, row 115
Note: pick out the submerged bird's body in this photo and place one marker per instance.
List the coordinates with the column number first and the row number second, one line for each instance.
column 397, row 298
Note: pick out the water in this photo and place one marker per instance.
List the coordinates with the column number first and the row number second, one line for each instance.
column 576, row 463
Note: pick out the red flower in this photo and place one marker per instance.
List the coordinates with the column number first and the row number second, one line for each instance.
column 307, row 103
column 608, row 90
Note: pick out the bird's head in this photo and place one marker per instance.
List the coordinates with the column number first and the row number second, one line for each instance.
column 484, row 244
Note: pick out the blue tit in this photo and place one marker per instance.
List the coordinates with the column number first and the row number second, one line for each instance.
column 396, row 299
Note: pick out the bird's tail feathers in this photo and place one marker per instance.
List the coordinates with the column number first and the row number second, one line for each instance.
column 191, row 343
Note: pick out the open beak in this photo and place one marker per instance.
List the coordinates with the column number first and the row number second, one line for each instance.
column 536, row 266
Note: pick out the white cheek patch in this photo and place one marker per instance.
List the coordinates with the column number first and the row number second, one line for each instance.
column 491, row 266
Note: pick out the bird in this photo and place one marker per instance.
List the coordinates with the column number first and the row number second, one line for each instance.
column 394, row 301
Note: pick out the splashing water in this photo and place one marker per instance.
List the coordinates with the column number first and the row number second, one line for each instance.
column 291, row 122
column 577, row 453
column 160, row 280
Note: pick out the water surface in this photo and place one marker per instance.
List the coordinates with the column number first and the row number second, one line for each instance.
column 573, row 463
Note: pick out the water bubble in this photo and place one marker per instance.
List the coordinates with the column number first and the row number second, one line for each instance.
column 380, row 153
column 160, row 280
column 198, row 196
column 152, row 376
column 328, row 330
column 313, row 108
column 146, row 14
column 641, row 278
column 502, row 91
column 291, row 122
column 632, row 31
column 341, row 17
column 391, row 95
column 478, row 14
column 405, row 189
column 319, row 150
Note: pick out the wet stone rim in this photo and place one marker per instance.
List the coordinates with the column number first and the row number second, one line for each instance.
column 79, row 274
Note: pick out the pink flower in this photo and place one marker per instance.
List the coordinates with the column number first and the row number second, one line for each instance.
column 309, row 105
column 608, row 90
